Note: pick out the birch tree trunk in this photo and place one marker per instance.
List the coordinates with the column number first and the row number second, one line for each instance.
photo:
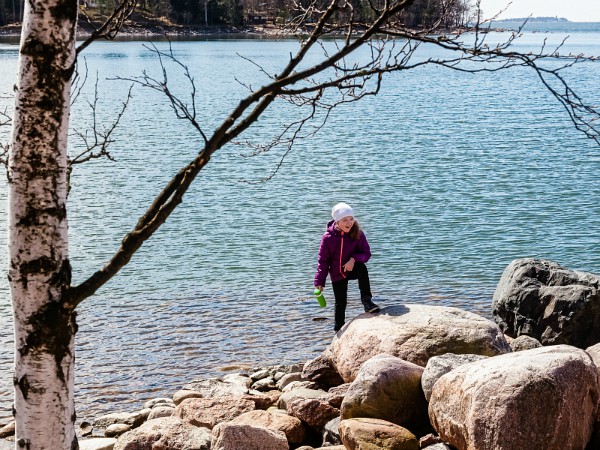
column 39, row 269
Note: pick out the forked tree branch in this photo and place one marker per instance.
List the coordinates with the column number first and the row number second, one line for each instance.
column 391, row 48
column 111, row 27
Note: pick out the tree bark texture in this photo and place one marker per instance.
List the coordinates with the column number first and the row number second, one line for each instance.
column 39, row 269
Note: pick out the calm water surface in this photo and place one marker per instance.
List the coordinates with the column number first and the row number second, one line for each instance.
column 451, row 175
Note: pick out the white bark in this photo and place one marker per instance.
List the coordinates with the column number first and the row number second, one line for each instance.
column 39, row 271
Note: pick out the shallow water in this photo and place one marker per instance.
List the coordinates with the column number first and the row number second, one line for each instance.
column 451, row 175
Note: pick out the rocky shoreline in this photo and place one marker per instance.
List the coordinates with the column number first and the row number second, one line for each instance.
column 408, row 377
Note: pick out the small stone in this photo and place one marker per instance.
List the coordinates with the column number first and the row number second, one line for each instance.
column 524, row 342
column 238, row 378
column 132, row 419
column 264, row 384
column 264, row 373
column 116, row 430
column 184, row 394
column 161, row 411
column 97, row 444
column 86, row 428
column 287, row 379
column 278, row 376
column 8, row 430
column 158, row 401
column 428, row 440
column 305, row 384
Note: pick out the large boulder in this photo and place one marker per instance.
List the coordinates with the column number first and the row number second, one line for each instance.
column 545, row 397
column 291, row 426
column 546, row 301
column 388, row 388
column 414, row 333
column 207, row 412
column 364, row 434
column 168, row 432
column 236, row 436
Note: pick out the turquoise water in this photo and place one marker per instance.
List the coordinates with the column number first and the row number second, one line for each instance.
column 451, row 175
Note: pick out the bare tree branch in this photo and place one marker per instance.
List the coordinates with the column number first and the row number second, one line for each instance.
column 181, row 109
column 111, row 27
column 333, row 81
column 5, row 121
column 97, row 145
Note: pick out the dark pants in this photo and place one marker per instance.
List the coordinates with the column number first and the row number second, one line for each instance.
column 340, row 291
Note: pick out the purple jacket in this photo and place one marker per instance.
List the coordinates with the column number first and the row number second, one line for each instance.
column 336, row 249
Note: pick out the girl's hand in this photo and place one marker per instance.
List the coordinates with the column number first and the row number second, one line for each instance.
column 349, row 265
column 319, row 288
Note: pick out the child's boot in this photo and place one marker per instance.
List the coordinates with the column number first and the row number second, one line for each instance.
column 369, row 306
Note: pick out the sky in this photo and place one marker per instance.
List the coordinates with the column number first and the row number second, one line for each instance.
column 573, row 10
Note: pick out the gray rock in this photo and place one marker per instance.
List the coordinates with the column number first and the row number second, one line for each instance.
column 546, row 397
column 184, row 394
column 413, row 333
column 97, row 444
column 524, row 342
column 238, row 378
column 388, row 388
column 265, row 384
column 278, row 376
column 288, row 378
column 161, row 411
column 214, row 387
column 594, row 352
column 438, row 446
column 230, row 436
column 134, row 420
column 158, row 401
column 441, row 365
column 331, row 432
column 166, row 433
column 299, row 393
column 259, row 375
column 300, row 385
column 549, row 302
column 116, row 430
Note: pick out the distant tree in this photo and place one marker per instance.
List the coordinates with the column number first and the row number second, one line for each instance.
column 44, row 301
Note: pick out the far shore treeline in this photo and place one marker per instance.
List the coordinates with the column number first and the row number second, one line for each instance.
column 240, row 13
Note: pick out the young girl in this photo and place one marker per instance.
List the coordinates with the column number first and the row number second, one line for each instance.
column 343, row 253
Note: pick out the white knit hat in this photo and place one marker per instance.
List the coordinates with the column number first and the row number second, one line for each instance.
column 341, row 210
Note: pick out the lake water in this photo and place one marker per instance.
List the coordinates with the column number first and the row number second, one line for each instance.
column 451, row 175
